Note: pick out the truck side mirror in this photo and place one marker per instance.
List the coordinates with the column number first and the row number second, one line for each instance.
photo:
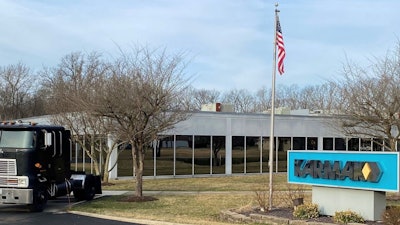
column 48, row 139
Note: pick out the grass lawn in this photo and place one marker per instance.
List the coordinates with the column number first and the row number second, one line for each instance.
column 208, row 198
column 223, row 183
column 211, row 195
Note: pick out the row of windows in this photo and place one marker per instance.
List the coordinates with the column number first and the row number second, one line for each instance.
column 340, row 144
column 191, row 155
column 328, row 143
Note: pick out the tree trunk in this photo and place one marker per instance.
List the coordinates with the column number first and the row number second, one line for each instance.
column 106, row 172
column 138, row 159
column 91, row 154
column 392, row 144
column 94, row 158
column 96, row 167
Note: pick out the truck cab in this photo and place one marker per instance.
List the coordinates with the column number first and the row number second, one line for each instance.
column 35, row 166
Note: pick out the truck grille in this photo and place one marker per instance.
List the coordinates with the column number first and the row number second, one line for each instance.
column 8, row 167
column 9, row 181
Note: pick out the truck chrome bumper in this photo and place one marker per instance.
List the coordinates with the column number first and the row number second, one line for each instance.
column 16, row 196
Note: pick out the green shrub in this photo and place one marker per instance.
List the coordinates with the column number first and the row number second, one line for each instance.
column 391, row 216
column 306, row 211
column 345, row 217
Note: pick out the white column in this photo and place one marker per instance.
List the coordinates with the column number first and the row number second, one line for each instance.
column 113, row 157
column 228, row 147
column 320, row 143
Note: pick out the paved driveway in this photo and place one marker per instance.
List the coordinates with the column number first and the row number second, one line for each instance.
column 55, row 213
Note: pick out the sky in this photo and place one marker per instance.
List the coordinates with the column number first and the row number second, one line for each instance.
column 228, row 44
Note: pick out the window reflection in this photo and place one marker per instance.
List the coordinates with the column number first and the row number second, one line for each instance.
column 340, row 144
column 312, row 143
column 184, row 152
column 299, row 143
column 238, row 154
column 327, row 143
column 218, row 150
column 202, row 155
column 353, row 144
column 253, row 154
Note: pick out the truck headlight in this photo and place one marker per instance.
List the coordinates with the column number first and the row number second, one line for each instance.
column 23, row 182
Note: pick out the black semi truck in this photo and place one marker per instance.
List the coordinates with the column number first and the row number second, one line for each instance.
column 35, row 166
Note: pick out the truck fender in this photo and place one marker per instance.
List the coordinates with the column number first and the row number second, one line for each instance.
column 85, row 186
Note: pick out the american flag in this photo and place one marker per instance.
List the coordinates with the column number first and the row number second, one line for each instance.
column 281, row 47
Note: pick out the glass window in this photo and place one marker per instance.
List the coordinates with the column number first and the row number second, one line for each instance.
column 327, row 143
column 265, row 154
column 218, row 150
column 397, row 145
column 238, row 154
column 340, row 144
column 299, row 143
column 16, row 139
column 377, row 144
column 354, row 144
column 366, row 144
column 253, row 147
column 312, row 143
column 184, row 153
column 202, row 154
column 161, row 152
column 387, row 145
column 284, row 144
column 80, row 156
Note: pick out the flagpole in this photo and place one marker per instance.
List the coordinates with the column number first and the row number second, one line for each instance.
column 271, row 137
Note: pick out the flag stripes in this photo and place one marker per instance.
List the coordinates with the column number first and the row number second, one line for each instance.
column 281, row 47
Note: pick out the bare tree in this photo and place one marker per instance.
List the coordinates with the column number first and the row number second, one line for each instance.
column 142, row 97
column 193, row 98
column 90, row 132
column 324, row 97
column 187, row 100
column 203, row 96
column 242, row 100
column 70, row 88
column 38, row 104
column 372, row 99
column 287, row 96
column 263, row 100
column 15, row 86
column 72, row 82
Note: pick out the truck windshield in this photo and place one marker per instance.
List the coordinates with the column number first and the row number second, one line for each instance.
column 16, row 139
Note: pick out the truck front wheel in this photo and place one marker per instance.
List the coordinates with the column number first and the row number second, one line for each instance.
column 39, row 200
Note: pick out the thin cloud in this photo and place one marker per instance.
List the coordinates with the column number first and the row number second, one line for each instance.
column 229, row 41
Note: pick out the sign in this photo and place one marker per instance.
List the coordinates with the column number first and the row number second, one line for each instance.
column 378, row 171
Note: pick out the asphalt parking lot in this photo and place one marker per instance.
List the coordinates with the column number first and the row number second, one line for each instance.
column 55, row 213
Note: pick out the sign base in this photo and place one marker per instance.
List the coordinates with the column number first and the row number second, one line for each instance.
column 368, row 204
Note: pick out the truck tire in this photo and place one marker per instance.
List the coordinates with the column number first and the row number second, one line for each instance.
column 88, row 192
column 39, row 200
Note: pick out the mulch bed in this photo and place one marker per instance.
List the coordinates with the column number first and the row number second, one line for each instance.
column 288, row 214
column 107, row 184
column 134, row 198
